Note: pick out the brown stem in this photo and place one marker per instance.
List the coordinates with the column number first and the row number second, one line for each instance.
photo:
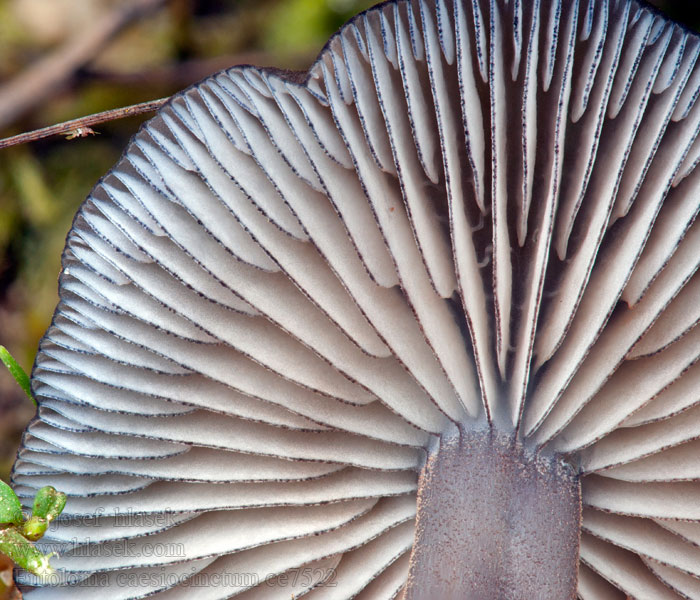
column 495, row 521
column 76, row 125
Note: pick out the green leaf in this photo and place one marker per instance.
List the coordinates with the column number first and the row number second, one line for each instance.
column 10, row 507
column 24, row 553
column 48, row 503
column 17, row 372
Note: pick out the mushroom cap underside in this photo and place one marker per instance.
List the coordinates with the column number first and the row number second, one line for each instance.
column 470, row 213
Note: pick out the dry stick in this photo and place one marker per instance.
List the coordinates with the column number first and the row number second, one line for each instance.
column 42, row 80
column 77, row 125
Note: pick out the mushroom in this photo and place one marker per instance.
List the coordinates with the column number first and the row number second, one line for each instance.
column 419, row 322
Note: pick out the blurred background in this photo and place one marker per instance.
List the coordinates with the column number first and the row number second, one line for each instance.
column 62, row 59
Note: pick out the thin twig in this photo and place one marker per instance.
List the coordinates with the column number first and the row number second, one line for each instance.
column 42, row 80
column 82, row 123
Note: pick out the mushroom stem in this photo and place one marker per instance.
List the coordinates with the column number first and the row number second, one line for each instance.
column 495, row 521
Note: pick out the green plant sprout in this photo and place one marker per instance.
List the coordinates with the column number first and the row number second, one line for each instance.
column 17, row 372
column 17, row 532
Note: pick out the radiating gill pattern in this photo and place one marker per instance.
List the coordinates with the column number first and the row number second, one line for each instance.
column 468, row 212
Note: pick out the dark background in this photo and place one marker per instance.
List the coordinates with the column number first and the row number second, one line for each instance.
column 41, row 184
